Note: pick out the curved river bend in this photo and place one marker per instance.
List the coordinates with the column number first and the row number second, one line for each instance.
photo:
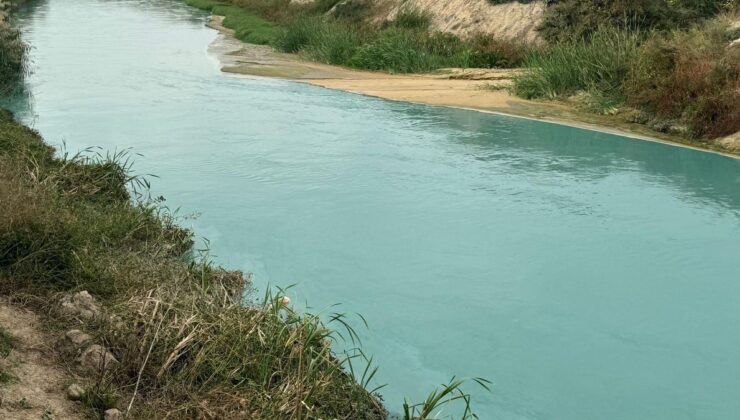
column 588, row 276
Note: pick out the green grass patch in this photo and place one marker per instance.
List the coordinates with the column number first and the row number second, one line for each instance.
column 411, row 51
column 7, row 343
column 599, row 64
column 247, row 25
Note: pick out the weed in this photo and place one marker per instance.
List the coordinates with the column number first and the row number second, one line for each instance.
column 438, row 399
column 7, row 343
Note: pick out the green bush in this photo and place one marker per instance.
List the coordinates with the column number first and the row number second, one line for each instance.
column 491, row 52
column 412, row 19
column 581, row 18
column 690, row 77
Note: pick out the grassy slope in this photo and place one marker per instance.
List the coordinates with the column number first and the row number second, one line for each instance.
column 176, row 324
column 403, row 46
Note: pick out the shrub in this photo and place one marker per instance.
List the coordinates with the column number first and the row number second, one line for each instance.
column 412, row 19
column 489, row 51
column 692, row 77
column 576, row 18
column 568, row 18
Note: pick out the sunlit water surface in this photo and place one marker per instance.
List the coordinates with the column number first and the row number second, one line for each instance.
column 588, row 276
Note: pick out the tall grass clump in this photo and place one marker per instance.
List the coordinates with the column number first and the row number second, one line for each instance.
column 412, row 19
column 12, row 52
column 600, row 63
column 332, row 42
column 412, row 51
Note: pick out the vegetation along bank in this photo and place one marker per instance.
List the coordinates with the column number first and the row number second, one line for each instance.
column 670, row 66
column 127, row 319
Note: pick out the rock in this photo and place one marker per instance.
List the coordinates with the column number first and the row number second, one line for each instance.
column 76, row 339
column 96, row 358
column 80, row 305
column 113, row 414
column 75, row 392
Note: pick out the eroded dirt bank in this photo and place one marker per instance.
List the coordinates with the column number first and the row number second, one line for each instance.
column 474, row 89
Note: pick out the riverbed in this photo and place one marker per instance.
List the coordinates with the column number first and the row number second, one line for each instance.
column 586, row 275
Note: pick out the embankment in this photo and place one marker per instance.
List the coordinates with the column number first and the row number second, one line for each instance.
column 143, row 325
column 484, row 90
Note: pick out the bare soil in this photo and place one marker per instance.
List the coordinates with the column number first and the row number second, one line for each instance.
column 39, row 388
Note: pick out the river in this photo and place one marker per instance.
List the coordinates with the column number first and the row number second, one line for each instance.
column 588, row 276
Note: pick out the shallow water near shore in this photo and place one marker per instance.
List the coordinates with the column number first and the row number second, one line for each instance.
column 586, row 275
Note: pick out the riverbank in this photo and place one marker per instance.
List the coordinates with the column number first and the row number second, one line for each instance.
column 142, row 324
column 483, row 90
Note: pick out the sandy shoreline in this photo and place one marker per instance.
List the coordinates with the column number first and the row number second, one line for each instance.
column 464, row 89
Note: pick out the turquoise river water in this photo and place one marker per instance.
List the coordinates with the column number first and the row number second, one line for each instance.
column 588, row 276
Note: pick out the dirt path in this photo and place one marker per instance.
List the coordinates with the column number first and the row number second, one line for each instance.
column 39, row 388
